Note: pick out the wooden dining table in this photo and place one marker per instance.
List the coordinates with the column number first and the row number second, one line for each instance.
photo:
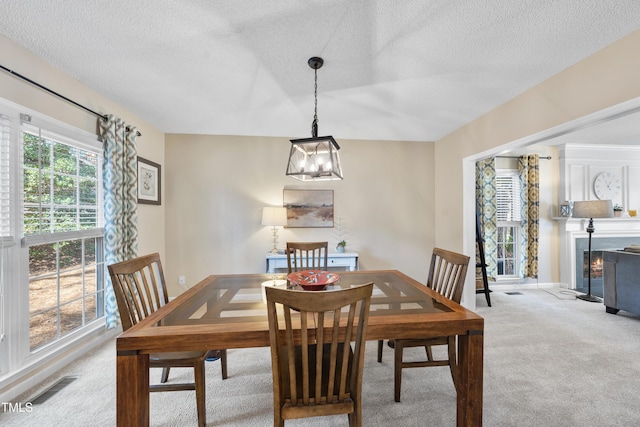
column 228, row 312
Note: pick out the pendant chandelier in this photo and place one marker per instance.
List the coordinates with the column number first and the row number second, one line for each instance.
column 315, row 158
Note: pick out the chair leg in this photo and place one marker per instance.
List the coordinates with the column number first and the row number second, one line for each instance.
column 427, row 349
column 355, row 418
column 165, row 375
column 278, row 421
column 199, row 378
column 223, row 363
column 397, row 369
column 380, row 346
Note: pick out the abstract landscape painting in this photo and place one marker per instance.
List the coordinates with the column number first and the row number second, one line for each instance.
column 309, row 208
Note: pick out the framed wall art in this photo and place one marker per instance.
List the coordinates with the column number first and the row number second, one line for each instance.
column 149, row 191
column 565, row 209
column 308, row 208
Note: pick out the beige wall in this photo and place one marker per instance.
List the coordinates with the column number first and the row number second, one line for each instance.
column 607, row 78
column 150, row 144
column 216, row 187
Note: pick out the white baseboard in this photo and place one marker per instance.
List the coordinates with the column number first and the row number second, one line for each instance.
column 511, row 286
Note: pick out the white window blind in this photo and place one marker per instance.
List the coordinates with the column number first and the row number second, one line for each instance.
column 7, row 209
column 509, row 205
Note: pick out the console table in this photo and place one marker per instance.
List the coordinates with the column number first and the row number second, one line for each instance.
column 346, row 260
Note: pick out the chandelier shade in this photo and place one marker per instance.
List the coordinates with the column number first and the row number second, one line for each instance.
column 315, row 158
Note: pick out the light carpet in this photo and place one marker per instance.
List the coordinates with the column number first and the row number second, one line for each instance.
column 550, row 360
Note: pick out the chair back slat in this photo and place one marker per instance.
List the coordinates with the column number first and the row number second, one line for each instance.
column 319, row 351
column 307, row 256
column 447, row 273
column 333, row 358
column 343, row 389
column 316, row 366
column 139, row 287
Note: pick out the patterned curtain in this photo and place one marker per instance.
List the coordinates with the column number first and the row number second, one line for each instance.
column 487, row 211
column 120, row 201
column 529, row 173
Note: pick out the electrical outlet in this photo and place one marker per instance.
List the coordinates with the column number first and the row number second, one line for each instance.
column 181, row 280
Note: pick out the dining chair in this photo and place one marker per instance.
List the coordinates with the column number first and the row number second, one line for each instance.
column 316, row 370
column 140, row 290
column 307, row 256
column 447, row 274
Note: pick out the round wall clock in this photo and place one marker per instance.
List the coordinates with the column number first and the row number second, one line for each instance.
column 607, row 185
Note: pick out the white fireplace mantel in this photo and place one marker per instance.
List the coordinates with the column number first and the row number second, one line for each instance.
column 576, row 228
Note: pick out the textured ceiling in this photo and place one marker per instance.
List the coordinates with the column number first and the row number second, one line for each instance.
column 394, row 70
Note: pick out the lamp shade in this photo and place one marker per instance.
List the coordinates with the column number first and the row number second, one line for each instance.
column 274, row 216
column 314, row 159
column 593, row 209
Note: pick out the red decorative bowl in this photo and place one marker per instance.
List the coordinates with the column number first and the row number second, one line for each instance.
column 313, row 280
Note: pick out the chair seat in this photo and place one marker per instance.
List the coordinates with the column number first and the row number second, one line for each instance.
column 176, row 355
column 421, row 342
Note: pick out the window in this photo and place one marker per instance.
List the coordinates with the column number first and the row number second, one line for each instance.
column 509, row 217
column 62, row 217
column 65, row 292
column 60, row 184
column 51, row 240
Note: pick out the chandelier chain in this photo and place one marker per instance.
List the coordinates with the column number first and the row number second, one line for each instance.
column 314, row 124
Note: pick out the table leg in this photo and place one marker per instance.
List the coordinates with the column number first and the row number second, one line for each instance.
column 132, row 389
column 469, row 373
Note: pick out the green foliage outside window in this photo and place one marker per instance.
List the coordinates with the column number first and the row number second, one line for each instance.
column 60, row 186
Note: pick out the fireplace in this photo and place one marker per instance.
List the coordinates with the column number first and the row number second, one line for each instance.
column 610, row 234
column 598, row 244
column 596, row 273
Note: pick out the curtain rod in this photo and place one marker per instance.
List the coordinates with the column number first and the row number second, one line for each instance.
column 52, row 92
column 517, row 157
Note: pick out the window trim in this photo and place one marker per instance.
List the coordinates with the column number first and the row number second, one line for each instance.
column 42, row 239
column 69, row 134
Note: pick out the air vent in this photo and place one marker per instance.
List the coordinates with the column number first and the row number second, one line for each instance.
column 49, row 392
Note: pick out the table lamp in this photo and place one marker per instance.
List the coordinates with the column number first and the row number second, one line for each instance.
column 591, row 209
column 274, row 217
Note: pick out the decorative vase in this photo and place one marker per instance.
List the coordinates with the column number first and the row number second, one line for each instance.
column 340, row 248
column 617, row 213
